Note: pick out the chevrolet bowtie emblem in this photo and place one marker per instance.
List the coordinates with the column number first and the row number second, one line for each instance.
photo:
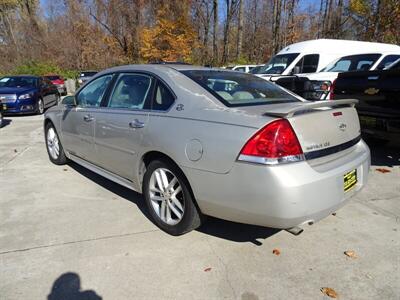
column 371, row 91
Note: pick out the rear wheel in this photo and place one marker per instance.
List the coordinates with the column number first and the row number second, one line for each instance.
column 53, row 145
column 169, row 199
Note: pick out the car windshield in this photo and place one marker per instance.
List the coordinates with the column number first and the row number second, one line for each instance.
column 18, row 81
column 360, row 62
column 55, row 77
column 239, row 89
column 87, row 74
column 278, row 64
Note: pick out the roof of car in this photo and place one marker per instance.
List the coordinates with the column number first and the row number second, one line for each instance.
column 154, row 67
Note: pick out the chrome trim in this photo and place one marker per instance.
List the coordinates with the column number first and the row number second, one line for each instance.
column 271, row 161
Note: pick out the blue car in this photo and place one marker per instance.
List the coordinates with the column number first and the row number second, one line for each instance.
column 27, row 94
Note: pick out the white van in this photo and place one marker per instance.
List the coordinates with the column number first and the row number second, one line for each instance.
column 314, row 55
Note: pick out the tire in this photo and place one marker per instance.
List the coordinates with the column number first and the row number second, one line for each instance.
column 177, row 201
column 40, row 107
column 53, row 146
column 1, row 119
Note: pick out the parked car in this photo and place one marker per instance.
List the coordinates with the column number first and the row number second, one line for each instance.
column 84, row 76
column 201, row 141
column 243, row 68
column 313, row 56
column 379, row 95
column 256, row 69
column 59, row 82
column 1, row 115
column 27, row 94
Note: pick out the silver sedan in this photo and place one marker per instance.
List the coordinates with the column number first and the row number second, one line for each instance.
column 200, row 141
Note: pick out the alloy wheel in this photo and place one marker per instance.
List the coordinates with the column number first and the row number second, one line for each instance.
column 166, row 196
column 40, row 106
column 52, row 143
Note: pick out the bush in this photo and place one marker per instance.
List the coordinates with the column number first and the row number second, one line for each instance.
column 41, row 68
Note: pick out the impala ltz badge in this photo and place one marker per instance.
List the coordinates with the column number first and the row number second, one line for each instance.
column 342, row 126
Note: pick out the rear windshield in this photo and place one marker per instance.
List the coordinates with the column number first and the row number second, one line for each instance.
column 360, row 62
column 239, row 89
column 18, row 81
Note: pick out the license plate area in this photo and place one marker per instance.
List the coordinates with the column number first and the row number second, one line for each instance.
column 368, row 121
column 349, row 180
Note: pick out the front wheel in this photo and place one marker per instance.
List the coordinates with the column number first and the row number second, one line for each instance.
column 53, row 145
column 169, row 199
column 40, row 107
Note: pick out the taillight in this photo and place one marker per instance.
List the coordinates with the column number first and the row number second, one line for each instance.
column 275, row 143
column 331, row 90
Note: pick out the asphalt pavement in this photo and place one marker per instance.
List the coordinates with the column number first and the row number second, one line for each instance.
column 67, row 233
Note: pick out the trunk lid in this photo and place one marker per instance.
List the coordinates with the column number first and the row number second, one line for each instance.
column 322, row 128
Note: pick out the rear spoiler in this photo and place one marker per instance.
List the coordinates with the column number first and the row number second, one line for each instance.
column 304, row 107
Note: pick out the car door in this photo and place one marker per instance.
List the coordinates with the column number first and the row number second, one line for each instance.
column 78, row 122
column 122, row 124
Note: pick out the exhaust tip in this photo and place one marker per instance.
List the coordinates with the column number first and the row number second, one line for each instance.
column 295, row 230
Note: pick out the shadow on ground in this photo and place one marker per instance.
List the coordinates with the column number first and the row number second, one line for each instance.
column 5, row 122
column 68, row 287
column 385, row 155
column 236, row 232
column 216, row 227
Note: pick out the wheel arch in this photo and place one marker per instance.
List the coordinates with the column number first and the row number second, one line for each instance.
column 150, row 156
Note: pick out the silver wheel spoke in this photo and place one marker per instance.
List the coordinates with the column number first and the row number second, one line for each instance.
column 172, row 184
column 162, row 211
column 177, row 203
column 175, row 211
column 164, row 179
column 159, row 180
column 157, row 198
column 176, row 191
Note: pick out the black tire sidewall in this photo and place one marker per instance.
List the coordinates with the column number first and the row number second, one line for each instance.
column 190, row 218
column 61, row 159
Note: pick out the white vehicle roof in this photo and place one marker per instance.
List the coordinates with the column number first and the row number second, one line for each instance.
column 338, row 46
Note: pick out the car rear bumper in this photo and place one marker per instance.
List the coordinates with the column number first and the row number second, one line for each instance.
column 279, row 196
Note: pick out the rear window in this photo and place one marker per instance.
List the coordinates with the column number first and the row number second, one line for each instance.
column 387, row 61
column 239, row 89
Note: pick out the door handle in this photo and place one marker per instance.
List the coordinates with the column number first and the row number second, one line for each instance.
column 136, row 124
column 88, row 118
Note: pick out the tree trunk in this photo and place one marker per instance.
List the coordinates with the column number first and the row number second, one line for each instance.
column 215, row 31
column 276, row 26
column 240, row 30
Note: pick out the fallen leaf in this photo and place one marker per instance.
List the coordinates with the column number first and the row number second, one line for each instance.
column 350, row 253
column 334, row 214
column 276, row 252
column 15, row 150
column 329, row 292
column 207, row 269
column 382, row 170
column 65, row 169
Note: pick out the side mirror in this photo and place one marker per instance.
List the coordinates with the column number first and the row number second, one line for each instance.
column 296, row 70
column 69, row 101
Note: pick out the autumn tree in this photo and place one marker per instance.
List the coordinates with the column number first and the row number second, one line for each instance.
column 168, row 40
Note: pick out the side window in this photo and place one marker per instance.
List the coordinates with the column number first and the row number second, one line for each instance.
column 91, row 95
column 163, row 98
column 387, row 61
column 130, row 91
column 309, row 63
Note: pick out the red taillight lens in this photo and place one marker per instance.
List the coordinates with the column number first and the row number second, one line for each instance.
column 277, row 142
